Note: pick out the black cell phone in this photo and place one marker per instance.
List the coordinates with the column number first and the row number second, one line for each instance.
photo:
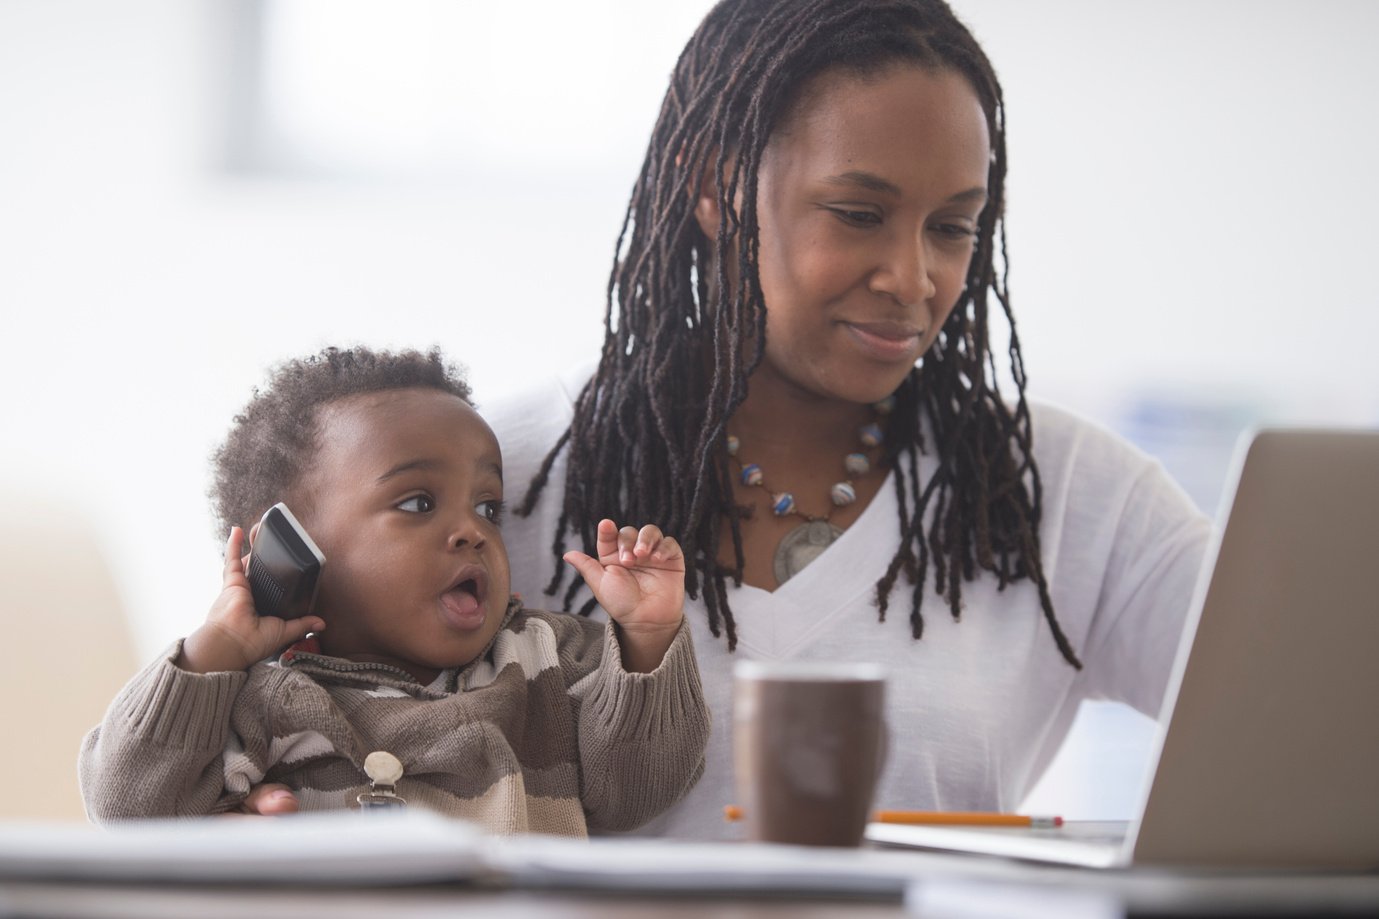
column 284, row 566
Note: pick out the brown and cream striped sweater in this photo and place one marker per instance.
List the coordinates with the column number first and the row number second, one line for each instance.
column 544, row 732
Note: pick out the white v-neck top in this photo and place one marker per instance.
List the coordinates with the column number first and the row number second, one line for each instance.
column 976, row 708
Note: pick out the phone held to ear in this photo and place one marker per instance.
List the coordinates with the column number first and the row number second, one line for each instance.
column 284, row 566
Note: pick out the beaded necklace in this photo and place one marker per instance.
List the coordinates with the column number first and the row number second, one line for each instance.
column 808, row 541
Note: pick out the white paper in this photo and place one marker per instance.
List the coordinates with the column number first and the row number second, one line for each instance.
column 338, row 847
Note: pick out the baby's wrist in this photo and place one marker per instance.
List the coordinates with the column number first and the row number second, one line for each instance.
column 644, row 645
column 208, row 650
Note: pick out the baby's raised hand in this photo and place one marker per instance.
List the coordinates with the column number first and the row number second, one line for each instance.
column 639, row 578
column 235, row 636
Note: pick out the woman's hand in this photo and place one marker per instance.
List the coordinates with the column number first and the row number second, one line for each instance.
column 235, row 636
column 639, row 578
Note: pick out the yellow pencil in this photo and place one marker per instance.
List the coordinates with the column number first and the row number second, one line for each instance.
column 966, row 818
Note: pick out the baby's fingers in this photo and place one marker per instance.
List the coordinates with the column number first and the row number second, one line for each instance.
column 270, row 800
column 589, row 568
column 294, row 630
column 627, row 546
column 665, row 555
column 654, row 550
column 235, row 566
column 606, row 541
column 668, row 550
column 648, row 540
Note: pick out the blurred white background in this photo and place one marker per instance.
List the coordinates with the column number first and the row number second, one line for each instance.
column 191, row 191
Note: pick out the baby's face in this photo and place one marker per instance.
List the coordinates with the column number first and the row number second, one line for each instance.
column 403, row 499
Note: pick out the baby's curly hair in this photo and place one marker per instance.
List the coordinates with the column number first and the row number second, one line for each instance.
column 272, row 440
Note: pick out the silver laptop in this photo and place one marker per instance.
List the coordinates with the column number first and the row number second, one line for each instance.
column 1270, row 756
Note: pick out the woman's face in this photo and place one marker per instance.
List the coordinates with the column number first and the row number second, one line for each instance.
column 868, row 199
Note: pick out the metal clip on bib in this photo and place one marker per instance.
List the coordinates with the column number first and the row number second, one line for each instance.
column 383, row 770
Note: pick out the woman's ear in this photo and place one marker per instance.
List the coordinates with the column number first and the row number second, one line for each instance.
column 707, row 211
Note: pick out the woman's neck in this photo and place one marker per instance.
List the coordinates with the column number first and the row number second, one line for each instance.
column 780, row 413
column 798, row 442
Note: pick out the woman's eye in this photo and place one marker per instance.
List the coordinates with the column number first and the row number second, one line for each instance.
column 492, row 511
column 418, row 504
column 955, row 231
column 857, row 218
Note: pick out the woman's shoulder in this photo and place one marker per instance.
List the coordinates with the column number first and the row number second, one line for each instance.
column 1063, row 436
column 528, row 420
column 1090, row 473
column 1084, row 464
column 543, row 397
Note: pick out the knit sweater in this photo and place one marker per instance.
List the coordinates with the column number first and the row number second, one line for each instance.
column 543, row 732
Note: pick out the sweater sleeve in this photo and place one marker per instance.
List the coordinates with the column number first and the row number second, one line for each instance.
column 641, row 735
column 159, row 751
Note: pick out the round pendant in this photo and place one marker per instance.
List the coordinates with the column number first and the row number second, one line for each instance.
column 801, row 546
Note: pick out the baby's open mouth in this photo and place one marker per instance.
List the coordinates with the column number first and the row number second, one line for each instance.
column 464, row 601
column 466, row 592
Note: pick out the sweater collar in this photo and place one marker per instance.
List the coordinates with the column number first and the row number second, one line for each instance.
column 306, row 656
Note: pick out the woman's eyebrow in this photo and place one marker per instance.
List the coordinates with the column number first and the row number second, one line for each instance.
column 977, row 193
column 873, row 182
column 868, row 180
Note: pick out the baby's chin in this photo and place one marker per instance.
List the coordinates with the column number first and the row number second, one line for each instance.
column 452, row 658
column 423, row 669
column 435, row 642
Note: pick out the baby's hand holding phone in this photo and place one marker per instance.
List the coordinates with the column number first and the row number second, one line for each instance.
column 234, row 636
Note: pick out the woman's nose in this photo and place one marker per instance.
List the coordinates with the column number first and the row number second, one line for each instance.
column 904, row 271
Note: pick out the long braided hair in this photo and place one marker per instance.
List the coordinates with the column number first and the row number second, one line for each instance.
column 681, row 339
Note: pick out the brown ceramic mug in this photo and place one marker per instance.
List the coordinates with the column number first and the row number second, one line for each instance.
column 808, row 745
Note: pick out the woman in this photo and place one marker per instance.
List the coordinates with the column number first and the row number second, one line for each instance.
column 797, row 381
column 815, row 230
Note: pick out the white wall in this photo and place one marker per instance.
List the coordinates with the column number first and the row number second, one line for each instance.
column 1193, row 193
column 1191, row 211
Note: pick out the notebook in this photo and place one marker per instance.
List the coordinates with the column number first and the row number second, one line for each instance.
column 1270, row 755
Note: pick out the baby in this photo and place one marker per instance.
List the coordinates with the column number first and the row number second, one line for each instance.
column 523, row 721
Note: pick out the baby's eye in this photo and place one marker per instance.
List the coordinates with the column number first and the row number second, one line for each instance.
column 492, row 511
column 418, row 504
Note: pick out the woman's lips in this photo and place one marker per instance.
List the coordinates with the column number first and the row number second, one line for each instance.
column 885, row 341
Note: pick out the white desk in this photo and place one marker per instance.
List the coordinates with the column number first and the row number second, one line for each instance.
column 344, row 865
